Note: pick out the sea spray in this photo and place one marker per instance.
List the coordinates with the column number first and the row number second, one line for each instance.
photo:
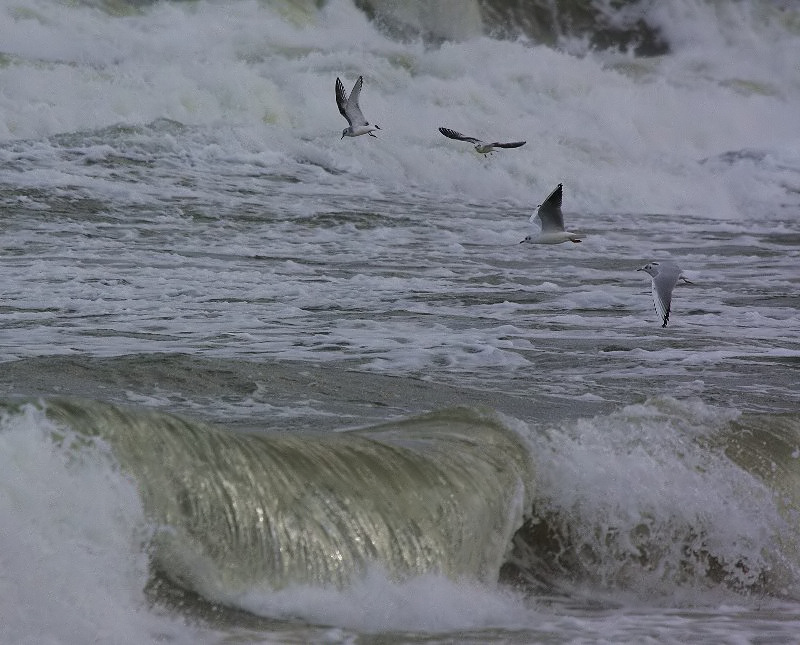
column 73, row 540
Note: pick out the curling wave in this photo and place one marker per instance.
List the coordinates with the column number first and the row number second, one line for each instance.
column 439, row 493
column 649, row 499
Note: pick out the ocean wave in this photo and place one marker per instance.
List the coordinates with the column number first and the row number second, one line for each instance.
column 439, row 493
column 652, row 498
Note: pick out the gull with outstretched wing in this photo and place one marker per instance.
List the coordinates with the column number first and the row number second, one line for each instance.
column 480, row 146
column 350, row 110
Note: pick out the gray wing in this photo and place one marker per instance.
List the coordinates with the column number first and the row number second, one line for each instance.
column 452, row 134
column 663, row 284
column 354, row 115
column 549, row 212
column 341, row 100
column 513, row 144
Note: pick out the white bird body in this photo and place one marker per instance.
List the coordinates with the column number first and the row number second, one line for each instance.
column 551, row 220
column 665, row 276
column 482, row 147
column 350, row 110
column 556, row 237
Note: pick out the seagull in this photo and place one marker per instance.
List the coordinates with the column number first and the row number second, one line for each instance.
column 480, row 146
column 552, row 222
column 665, row 276
column 348, row 106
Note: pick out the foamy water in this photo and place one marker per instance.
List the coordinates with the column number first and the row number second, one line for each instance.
column 623, row 134
column 172, row 181
column 72, row 537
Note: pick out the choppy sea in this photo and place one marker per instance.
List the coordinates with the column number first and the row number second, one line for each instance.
column 259, row 383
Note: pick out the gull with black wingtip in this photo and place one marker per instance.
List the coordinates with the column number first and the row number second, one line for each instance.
column 480, row 146
column 665, row 275
column 350, row 110
column 551, row 220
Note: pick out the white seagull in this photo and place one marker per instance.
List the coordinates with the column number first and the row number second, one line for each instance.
column 480, row 146
column 350, row 110
column 665, row 276
column 552, row 222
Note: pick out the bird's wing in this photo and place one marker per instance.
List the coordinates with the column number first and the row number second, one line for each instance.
column 452, row 134
column 662, row 301
column 341, row 99
column 512, row 144
column 549, row 212
column 663, row 284
column 352, row 108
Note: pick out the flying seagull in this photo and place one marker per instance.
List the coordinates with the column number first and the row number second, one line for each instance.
column 348, row 106
column 481, row 146
column 665, row 276
column 552, row 222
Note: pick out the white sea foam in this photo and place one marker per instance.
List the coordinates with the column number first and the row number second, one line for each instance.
column 730, row 84
column 377, row 603
column 72, row 542
column 644, row 500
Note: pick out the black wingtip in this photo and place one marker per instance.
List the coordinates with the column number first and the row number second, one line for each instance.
column 554, row 199
column 451, row 134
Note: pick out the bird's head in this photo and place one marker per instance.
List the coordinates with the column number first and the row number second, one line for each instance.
column 651, row 268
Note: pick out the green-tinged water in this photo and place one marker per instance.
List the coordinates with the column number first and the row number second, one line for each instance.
column 442, row 493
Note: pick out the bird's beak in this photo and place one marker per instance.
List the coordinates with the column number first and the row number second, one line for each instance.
column 342, row 137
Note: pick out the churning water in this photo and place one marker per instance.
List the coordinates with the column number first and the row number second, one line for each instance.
column 262, row 384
